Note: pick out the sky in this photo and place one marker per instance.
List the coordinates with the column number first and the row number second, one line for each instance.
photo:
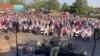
column 94, row 3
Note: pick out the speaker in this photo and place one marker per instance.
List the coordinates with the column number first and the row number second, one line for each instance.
column 7, row 38
column 96, row 34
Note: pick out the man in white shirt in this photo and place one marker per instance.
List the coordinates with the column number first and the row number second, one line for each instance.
column 78, row 34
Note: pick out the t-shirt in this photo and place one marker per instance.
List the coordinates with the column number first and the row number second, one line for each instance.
column 77, row 33
column 25, row 27
column 55, row 41
column 70, row 32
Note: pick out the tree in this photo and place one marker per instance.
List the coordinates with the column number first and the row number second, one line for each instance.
column 46, row 4
column 37, row 4
column 54, row 5
column 65, row 7
column 16, row 2
column 80, row 7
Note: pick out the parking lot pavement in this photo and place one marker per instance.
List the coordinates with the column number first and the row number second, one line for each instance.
column 23, row 37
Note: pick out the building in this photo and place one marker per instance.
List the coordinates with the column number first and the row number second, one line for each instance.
column 6, row 6
column 95, row 13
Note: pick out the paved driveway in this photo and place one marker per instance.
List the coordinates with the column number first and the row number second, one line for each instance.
column 23, row 37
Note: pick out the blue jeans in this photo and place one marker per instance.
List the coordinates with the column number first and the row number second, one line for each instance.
column 54, row 51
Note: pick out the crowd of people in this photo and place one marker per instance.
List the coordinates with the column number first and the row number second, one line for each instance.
column 66, row 25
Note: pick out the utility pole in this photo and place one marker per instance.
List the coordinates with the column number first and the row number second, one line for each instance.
column 94, row 47
column 15, row 27
column 17, row 54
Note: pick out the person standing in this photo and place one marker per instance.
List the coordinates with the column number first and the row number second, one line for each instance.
column 64, row 33
column 55, row 42
column 47, row 30
column 69, row 33
column 89, row 34
column 15, row 25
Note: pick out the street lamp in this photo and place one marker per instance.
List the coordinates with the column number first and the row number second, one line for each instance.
column 15, row 28
column 17, row 54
